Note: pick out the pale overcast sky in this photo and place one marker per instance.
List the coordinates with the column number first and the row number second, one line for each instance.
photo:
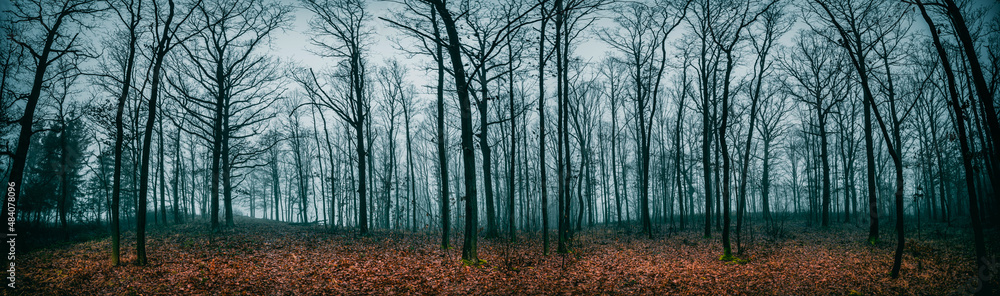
column 293, row 44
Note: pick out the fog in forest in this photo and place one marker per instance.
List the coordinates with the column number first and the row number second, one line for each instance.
column 553, row 146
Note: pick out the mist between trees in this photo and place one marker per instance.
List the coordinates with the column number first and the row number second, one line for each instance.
column 494, row 118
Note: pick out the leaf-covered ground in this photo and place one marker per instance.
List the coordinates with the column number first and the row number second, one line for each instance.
column 270, row 258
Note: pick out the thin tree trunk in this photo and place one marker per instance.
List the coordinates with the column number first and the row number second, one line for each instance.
column 177, row 178
column 543, row 178
column 442, row 153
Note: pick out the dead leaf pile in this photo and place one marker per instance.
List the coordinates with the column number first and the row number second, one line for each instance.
column 263, row 257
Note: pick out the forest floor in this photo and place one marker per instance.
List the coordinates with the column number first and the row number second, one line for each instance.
column 260, row 257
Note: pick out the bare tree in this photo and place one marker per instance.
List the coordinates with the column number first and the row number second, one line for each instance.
column 859, row 26
column 301, row 153
column 165, row 41
column 406, row 102
column 392, row 86
column 415, row 16
column 470, row 246
column 130, row 10
column 956, row 106
column 545, row 15
column 610, row 69
column 954, row 12
column 514, row 49
column 726, row 35
column 774, row 24
column 643, row 40
column 583, row 98
column 454, row 46
column 223, row 60
column 814, row 68
column 13, row 61
column 487, row 24
column 342, row 31
column 864, row 25
column 773, row 108
column 706, row 66
column 678, row 127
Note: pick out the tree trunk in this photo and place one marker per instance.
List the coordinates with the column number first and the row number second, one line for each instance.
column 163, row 182
column 177, row 178
column 870, row 169
column 410, row 195
column 484, row 145
column 144, row 170
column 359, row 133
column 765, row 182
column 706, row 139
column 726, row 249
column 825, row 162
column 543, row 178
column 442, row 152
column 470, row 246
column 513, row 145
column 677, row 144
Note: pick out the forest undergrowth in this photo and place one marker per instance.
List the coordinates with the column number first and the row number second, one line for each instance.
column 262, row 257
